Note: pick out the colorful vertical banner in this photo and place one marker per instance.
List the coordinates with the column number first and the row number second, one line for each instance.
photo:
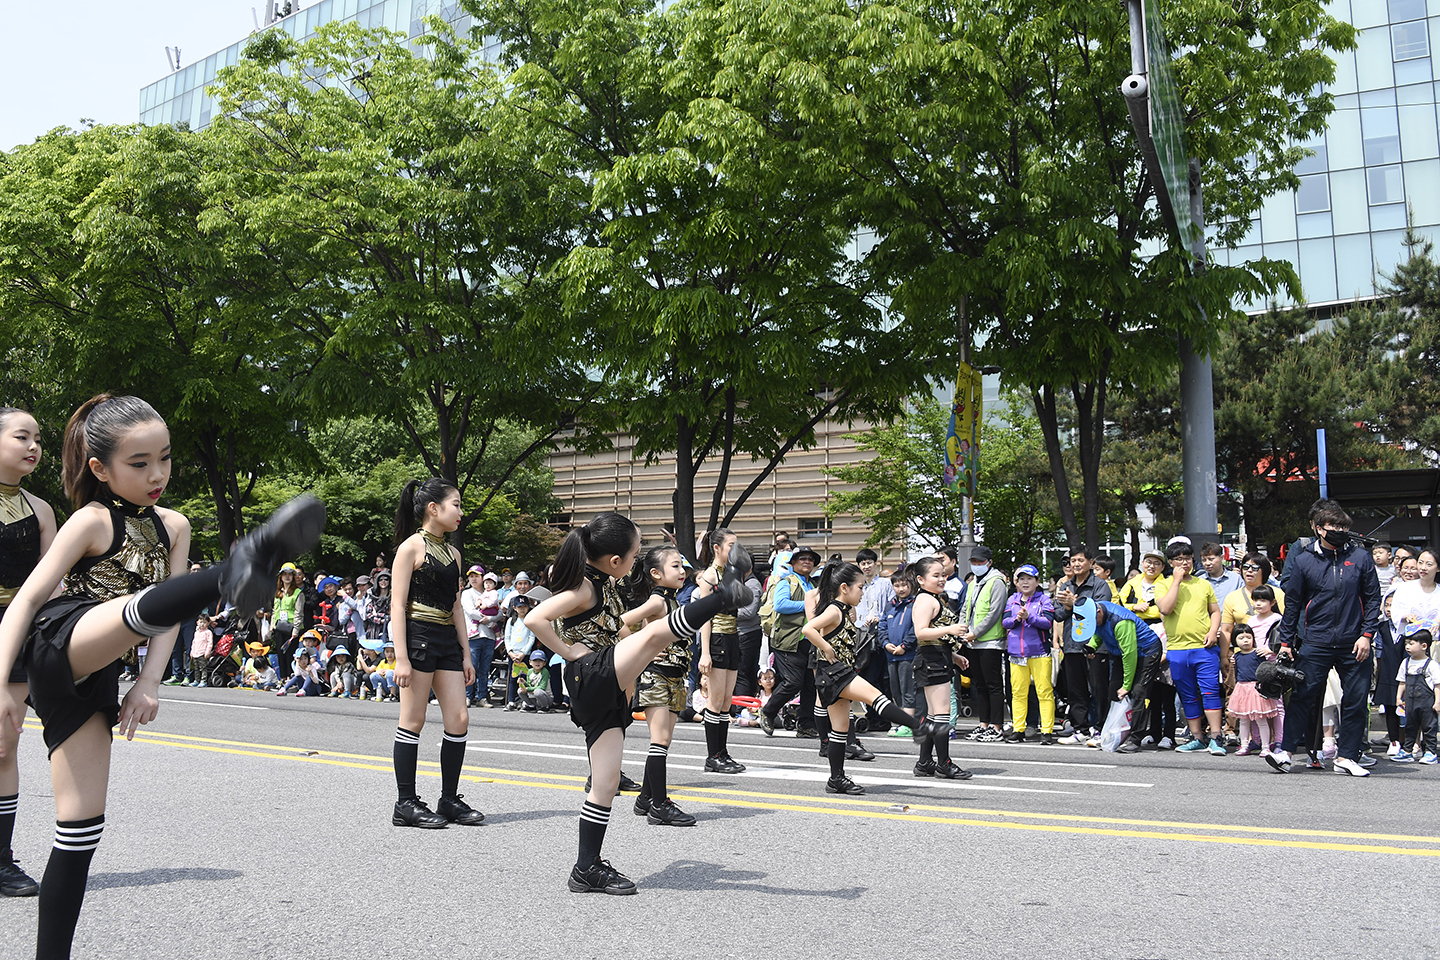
column 962, row 444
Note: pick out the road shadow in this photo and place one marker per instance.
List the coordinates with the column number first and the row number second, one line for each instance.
column 522, row 816
column 698, row 875
column 158, row 875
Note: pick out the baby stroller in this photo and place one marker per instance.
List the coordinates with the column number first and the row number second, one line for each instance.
column 229, row 655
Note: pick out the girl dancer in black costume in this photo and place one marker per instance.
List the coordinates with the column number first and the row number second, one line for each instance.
column 605, row 658
column 662, row 685
column 27, row 528
column 431, row 650
column 935, row 662
column 114, row 556
column 832, row 632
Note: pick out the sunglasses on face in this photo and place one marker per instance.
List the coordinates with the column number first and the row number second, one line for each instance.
column 1250, row 566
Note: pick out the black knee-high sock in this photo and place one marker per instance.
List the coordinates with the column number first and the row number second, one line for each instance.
column 62, row 890
column 157, row 608
column 8, row 806
column 893, row 712
column 593, row 821
column 822, row 724
column 716, row 726
column 927, row 744
column 452, row 758
column 407, row 753
column 940, row 730
column 654, row 789
column 837, row 755
column 687, row 620
column 722, row 733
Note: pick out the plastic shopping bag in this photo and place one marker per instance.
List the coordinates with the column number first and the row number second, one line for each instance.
column 1117, row 726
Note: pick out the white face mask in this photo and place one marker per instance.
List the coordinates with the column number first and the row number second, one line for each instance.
column 979, row 569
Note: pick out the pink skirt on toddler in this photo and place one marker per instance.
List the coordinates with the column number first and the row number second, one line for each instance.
column 1247, row 703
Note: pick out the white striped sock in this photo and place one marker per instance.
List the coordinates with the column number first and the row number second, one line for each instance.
column 595, row 813
column 463, row 738
column 9, row 804
column 84, row 836
column 659, row 750
column 405, row 736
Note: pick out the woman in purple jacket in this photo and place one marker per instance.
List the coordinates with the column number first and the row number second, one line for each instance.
column 1028, row 617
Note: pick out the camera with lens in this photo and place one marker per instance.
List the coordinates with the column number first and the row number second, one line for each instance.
column 1274, row 679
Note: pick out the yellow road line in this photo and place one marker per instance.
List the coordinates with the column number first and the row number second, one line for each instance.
column 839, row 806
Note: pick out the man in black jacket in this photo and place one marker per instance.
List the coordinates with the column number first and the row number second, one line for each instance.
column 1332, row 585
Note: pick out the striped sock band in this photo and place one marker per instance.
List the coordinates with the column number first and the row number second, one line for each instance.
column 406, row 756
column 407, row 736
column 131, row 616
column 9, row 804
column 78, row 836
column 679, row 626
column 940, row 728
column 593, row 821
column 452, row 759
column 659, row 750
column 892, row 713
column 595, row 813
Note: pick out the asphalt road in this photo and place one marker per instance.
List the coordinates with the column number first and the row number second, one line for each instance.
column 242, row 825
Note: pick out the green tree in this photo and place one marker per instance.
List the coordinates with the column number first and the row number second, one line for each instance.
column 713, row 257
column 400, row 206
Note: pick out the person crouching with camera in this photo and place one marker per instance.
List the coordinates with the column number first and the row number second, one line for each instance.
column 1333, row 584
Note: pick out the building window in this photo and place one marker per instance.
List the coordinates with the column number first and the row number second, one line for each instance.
column 1313, row 195
column 1406, row 10
column 1411, row 41
column 1386, row 185
column 813, row 528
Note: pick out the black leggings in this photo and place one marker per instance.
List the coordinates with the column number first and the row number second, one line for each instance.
column 987, row 685
column 1162, row 710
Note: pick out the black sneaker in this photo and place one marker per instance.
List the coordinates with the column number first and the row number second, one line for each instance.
column 627, row 785
column 600, row 877
column 456, row 810
column 15, row 882
column 723, row 764
column 824, row 748
column 806, row 733
column 844, row 785
column 1047, row 739
column 949, row 771
column 642, row 805
column 766, row 723
column 414, row 813
column 857, row 751
column 924, row 768
column 1015, row 736
column 247, row 578
column 732, row 579
column 666, row 814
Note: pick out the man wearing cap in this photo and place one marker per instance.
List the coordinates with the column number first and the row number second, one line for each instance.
column 1084, row 679
column 507, row 584
column 479, row 632
column 985, row 636
column 1138, row 649
column 792, row 665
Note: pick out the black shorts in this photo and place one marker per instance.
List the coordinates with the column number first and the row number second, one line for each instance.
column 63, row 705
column 433, row 647
column 933, row 666
column 17, row 672
column 831, row 679
column 597, row 701
column 725, row 651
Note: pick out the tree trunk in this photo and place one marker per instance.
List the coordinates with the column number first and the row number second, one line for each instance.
column 1044, row 399
column 1132, row 517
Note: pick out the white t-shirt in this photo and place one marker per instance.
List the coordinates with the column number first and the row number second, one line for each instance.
column 1413, row 668
column 1413, row 604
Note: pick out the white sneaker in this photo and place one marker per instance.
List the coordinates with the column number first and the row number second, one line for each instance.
column 1394, row 748
column 1074, row 740
column 1149, row 741
column 1347, row 766
column 1166, row 744
column 1280, row 761
column 1093, row 742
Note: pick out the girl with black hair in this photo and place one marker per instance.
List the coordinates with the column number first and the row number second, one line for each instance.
column 432, row 651
column 935, row 662
column 604, row 658
column 662, row 684
column 113, row 557
column 27, row 528
column 719, row 655
column 832, row 632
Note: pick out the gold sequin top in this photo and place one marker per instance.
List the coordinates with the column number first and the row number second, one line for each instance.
column 945, row 618
column 139, row 555
column 19, row 541
column 677, row 654
column 600, row 626
column 435, row 583
column 724, row 622
column 843, row 637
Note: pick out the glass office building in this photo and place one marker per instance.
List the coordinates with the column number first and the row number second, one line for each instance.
column 181, row 97
column 1378, row 162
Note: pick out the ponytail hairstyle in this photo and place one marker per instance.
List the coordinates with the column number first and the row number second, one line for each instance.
column 608, row 535
column 711, row 543
column 642, row 585
column 920, row 568
column 835, row 574
column 94, row 431
column 414, row 498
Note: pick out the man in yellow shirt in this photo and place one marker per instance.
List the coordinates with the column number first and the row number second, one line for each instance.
column 1192, row 631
